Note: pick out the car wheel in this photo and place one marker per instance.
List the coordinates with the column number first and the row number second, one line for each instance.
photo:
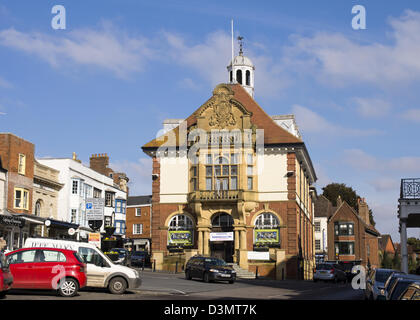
column 206, row 277
column 68, row 288
column 231, row 281
column 188, row 275
column 117, row 285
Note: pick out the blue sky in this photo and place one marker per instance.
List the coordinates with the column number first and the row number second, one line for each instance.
column 106, row 83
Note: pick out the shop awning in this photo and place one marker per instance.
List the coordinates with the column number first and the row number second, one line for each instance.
column 12, row 220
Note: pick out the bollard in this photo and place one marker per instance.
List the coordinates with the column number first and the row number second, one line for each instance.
column 143, row 265
column 176, row 267
column 282, row 274
column 256, row 273
column 154, row 265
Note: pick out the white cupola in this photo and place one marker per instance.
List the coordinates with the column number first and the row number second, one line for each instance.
column 242, row 71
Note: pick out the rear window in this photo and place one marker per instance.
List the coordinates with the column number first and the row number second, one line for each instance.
column 382, row 276
column 399, row 288
column 324, row 266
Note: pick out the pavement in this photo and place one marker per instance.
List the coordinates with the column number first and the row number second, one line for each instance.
column 170, row 286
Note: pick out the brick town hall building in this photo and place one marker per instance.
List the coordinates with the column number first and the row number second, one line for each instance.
column 232, row 182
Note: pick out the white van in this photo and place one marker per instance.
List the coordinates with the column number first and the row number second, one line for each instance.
column 101, row 271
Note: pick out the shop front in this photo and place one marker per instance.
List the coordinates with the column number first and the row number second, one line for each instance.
column 12, row 231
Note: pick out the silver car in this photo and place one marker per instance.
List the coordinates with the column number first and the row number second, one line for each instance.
column 375, row 284
column 330, row 272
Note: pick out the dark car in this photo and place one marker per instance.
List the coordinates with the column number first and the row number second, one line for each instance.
column 412, row 292
column 329, row 272
column 140, row 258
column 209, row 269
column 390, row 282
column 400, row 285
column 375, row 283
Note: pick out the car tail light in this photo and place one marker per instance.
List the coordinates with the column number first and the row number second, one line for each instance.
column 82, row 268
column 331, row 271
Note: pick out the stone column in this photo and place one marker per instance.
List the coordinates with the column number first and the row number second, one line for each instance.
column 206, row 244
column 404, row 254
column 200, row 242
column 243, row 240
column 236, row 239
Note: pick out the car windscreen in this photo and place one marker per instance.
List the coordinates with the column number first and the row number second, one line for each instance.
column 382, row 275
column 214, row 262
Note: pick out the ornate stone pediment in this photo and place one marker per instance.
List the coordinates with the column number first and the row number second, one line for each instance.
column 222, row 111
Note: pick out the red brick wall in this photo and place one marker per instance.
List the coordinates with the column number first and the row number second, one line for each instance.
column 10, row 148
column 143, row 219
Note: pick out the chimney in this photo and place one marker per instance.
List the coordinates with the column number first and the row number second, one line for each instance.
column 363, row 209
column 339, row 201
column 99, row 163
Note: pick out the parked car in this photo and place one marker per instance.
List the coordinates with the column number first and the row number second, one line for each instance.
column 329, row 272
column 390, row 281
column 6, row 277
column 122, row 257
column 101, row 271
column 209, row 269
column 48, row 268
column 412, row 292
column 400, row 284
column 139, row 257
column 347, row 267
column 375, row 283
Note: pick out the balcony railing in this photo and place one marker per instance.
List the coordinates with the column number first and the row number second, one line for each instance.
column 410, row 188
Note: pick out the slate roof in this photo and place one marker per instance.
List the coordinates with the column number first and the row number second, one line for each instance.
column 139, row 200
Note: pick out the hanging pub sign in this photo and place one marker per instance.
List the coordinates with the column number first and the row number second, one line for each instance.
column 12, row 221
column 183, row 237
column 267, row 236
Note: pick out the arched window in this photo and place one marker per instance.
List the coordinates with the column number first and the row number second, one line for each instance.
column 248, row 78
column 267, row 231
column 180, row 222
column 222, row 220
column 267, row 221
column 180, row 232
column 38, row 206
column 239, row 76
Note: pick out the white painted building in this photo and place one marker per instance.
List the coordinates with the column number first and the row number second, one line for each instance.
column 81, row 182
column 322, row 211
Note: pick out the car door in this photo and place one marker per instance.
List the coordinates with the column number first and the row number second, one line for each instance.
column 49, row 267
column 21, row 266
column 96, row 267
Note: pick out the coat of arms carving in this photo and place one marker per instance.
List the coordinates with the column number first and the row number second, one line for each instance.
column 222, row 112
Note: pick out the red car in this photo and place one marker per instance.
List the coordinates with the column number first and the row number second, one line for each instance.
column 48, row 268
column 6, row 278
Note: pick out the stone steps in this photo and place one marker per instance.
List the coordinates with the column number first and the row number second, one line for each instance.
column 242, row 273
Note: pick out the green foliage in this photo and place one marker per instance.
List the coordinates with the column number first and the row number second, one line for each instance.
column 386, row 262
column 414, row 242
column 333, row 190
column 372, row 221
column 396, row 262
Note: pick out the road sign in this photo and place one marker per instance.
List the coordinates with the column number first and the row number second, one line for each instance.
column 95, row 208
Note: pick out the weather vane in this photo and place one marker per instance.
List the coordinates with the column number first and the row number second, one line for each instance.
column 240, row 44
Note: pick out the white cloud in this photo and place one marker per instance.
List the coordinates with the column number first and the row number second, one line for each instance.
column 139, row 173
column 312, row 123
column 372, row 107
column 336, row 59
column 210, row 58
column 411, row 115
column 105, row 49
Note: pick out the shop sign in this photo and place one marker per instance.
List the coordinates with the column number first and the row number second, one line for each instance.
column 12, row 221
column 180, row 237
column 95, row 238
column 266, row 236
column 257, row 255
column 221, row 236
